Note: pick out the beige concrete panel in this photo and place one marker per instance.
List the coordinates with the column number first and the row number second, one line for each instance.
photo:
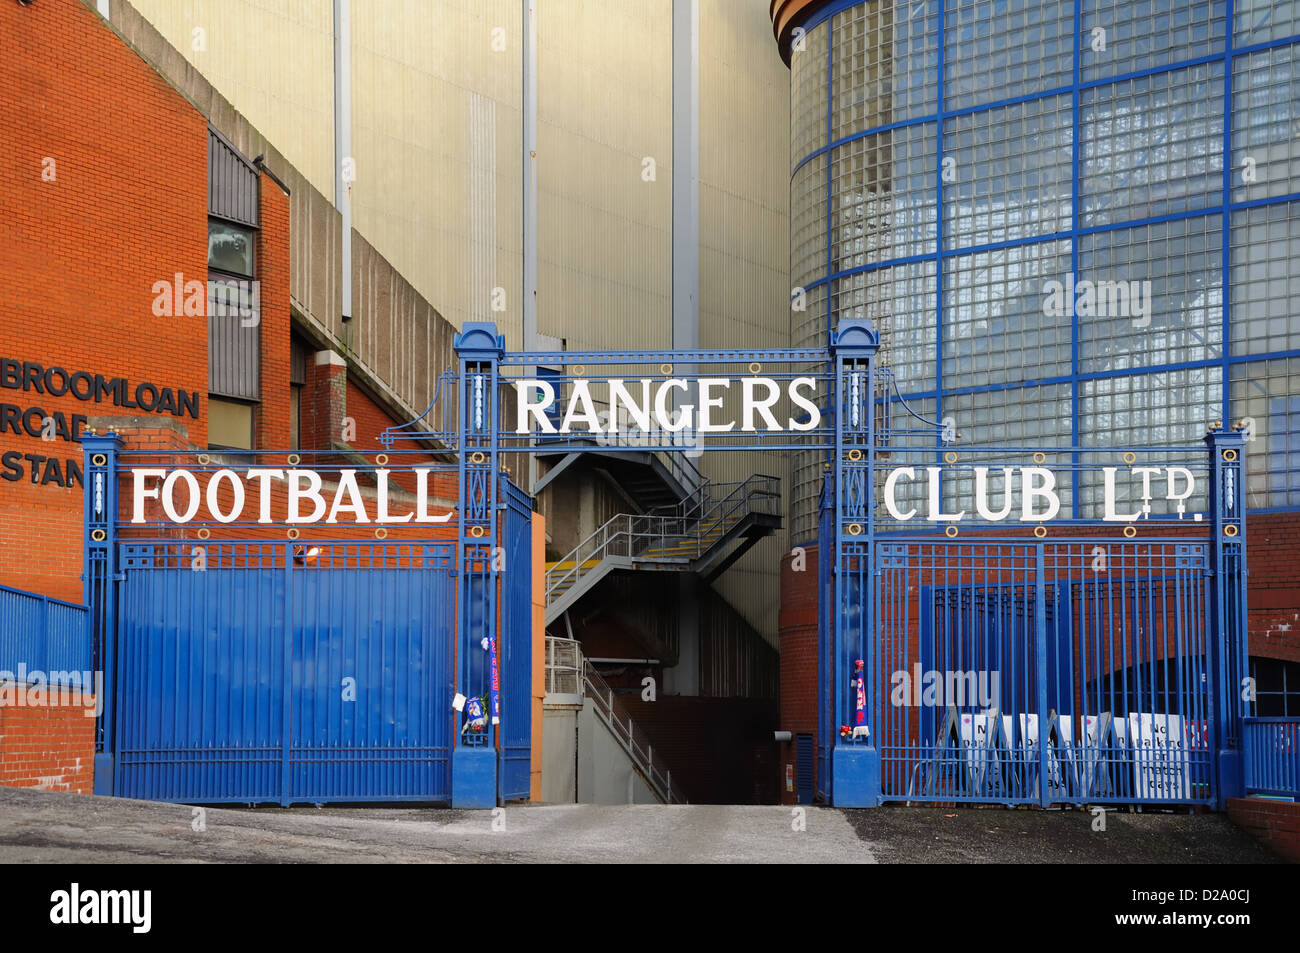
column 604, row 233
column 273, row 61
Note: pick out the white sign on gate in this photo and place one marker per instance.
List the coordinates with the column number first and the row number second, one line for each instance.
column 1090, row 729
column 1029, row 737
column 979, row 738
column 1160, row 768
column 1064, row 740
column 1065, row 756
column 1101, row 750
column 978, row 729
column 1029, row 730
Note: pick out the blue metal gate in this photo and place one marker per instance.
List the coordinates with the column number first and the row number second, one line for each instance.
column 516, row 648
column 265, row 677
column 248, row 662
column 1041, row 672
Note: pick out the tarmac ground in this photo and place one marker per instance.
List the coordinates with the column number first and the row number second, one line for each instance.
column 41, row 827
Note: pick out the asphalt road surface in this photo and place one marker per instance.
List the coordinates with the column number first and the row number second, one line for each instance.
column 39, row 827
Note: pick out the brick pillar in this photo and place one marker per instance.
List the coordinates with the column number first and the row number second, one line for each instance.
column 142, row 434
column 324, row 401
column 272, row 424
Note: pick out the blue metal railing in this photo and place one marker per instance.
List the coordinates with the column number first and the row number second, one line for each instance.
column 42, row 634
column 1271, row 755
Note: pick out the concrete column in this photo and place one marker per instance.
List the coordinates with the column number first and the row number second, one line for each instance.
column 684, row 677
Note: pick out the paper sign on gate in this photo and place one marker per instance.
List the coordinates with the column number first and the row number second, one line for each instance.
column 979, row 730
column 1029, row 730
column 1029, row 741
column 974, row 735
column 1105, row 738
column 1160, row 768
column 1063, row 740
column 1090, row 730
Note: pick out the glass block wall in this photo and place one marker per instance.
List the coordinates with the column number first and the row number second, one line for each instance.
column 955, row 161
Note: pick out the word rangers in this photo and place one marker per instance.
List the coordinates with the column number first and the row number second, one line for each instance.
column 758, row 396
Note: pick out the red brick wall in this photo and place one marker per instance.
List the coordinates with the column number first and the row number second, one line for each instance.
column 1276, row 823
column 51, row 748
column 272, row 425
column 798, row 634
column 370, row 419
column 121, row 204
column 1273, row 560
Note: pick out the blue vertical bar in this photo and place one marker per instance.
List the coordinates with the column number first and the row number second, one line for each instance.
column 99, row 587
column 1040, row 669
column 286, row 679
column 829, row 553
column 1226, row 212
column 1076, row 195
column 938, row 229
column 1230, row 651
column 825, row 627
column 479, row 349
column 839, row 672
column 855, row 768
column 830, row 218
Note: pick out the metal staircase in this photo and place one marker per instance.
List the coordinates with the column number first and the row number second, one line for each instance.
column 651, row 478
column 705, row 533
column 630, row 736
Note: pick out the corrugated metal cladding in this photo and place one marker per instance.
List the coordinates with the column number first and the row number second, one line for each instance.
column 46, row 634
column 234, row 358
column 232, row 182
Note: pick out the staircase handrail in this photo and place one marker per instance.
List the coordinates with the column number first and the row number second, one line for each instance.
column 678, row 463
column 632, row 534
column 629, row 735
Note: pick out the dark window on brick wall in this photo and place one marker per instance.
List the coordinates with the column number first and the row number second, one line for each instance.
column 1277, row 687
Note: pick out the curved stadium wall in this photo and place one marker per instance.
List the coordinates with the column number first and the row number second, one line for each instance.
column 950, row 160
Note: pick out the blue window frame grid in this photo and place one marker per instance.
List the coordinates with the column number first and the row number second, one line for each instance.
column 1234, row 54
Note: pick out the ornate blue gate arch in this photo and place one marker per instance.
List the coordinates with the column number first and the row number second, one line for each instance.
column 1173, row 586
column 1108, row 631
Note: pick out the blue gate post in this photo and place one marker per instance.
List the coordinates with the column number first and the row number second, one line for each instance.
column 1228, row 647
column 99, row 581
column 479, row 349
column 855, row 766
column 825, row 625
